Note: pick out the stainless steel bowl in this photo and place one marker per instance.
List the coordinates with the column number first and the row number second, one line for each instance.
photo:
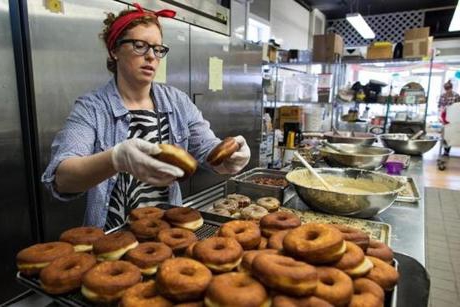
column 402, row 144
column 347, row 137
column 357, row 156
column 363, row 205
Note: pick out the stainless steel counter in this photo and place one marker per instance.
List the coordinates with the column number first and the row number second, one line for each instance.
column 406, row 219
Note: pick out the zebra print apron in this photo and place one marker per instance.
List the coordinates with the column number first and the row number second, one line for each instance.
column 130, row 193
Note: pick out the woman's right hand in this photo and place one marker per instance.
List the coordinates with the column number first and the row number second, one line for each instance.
column 134, row 156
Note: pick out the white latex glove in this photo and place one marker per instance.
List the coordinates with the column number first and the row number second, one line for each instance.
column 238, row 160
column 134, row 156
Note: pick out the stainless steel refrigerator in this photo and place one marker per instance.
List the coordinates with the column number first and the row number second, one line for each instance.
column 64, row 58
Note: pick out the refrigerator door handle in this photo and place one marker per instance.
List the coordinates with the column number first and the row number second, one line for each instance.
column 194, row 97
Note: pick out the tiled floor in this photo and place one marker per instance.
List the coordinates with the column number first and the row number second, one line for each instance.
column 447, row 179
column 443, row 245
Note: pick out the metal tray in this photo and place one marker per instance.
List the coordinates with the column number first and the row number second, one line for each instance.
column 211, row 224
column 413, row 194
column 242, row 184
column 376, row 230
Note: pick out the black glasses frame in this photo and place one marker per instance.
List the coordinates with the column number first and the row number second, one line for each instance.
column 153, row 46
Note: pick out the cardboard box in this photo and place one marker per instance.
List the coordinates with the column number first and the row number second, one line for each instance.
column 418, row 48
column 416, row 33
column 290, row 114
column 380, row 50
column 269, row 53
column 327, row 47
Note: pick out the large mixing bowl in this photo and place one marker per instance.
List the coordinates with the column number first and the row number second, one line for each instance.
column 401, row 143
column 356, row 156
column 347, row 137
column 363, row 205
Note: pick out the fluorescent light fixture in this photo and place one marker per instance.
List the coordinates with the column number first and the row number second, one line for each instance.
column 455, row 23
column 360, row 25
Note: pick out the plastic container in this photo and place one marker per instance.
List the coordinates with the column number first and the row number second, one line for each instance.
column 394, row 167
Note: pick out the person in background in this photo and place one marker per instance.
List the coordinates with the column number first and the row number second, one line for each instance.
column 449, row 97
column 103, row 148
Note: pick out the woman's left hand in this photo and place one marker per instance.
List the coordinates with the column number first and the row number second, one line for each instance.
column 238, row 160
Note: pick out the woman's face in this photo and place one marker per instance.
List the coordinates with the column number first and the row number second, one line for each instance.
column 133, row 66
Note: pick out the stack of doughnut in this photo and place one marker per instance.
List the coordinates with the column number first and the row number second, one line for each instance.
column 239, row 206
column 302, row 265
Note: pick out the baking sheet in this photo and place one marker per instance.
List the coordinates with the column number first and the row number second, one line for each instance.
column 376, row 230
column 411, row 193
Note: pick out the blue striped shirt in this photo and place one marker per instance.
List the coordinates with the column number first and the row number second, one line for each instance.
column 99, row 120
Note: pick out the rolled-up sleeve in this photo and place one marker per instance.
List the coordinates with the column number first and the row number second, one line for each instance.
column 75, row 139
column 202, row 139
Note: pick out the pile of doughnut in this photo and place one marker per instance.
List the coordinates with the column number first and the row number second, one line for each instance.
column 276, row 263
column 240, row 206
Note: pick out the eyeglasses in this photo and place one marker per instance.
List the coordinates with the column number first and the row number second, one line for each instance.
column 141, row 47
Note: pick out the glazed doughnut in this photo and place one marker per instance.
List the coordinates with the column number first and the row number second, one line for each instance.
column 383, row 274
column 64, row 274
column 222, row 212
column 177, row 238
column 82, row 238
column 113, row 246
column 312, row 301
column 230, row 205
column 147, row 256
column 367, row 294
column 248, row 257
column 183, row 279
column 270, row 203
column 245, row 232
column 353, row 261
column 277, row 221
column 380, row 250
column 276, row 240
column 177, row 156
column 108, row 281
column 334, row 286
column 354, row 235
column 236, row 215
column 285, row 274
column 243, row 200
column 263, row 243
column 144, row 294
column 184, row 217
column 253, row 212
column 33, row 259
column 150, row 212
column 148, row 228
column 236, row 289
column 219, row 254
column 223, row 151
column 315, row 243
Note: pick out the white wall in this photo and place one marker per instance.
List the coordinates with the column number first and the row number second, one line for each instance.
column 289, row 22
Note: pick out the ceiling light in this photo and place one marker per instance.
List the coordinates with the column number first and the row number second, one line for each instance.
column 360, row 25
column 455, row 23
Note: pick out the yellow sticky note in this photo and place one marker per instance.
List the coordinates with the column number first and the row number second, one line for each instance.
column 160, row 75
column 216, row 67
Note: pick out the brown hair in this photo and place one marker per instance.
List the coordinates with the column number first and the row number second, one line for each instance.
column 145, row 20
column 448, row 85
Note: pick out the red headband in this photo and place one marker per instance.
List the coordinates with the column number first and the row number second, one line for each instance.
column 122, row 22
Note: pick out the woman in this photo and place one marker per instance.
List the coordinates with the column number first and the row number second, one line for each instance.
column 104, row 147
column 446, row 99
